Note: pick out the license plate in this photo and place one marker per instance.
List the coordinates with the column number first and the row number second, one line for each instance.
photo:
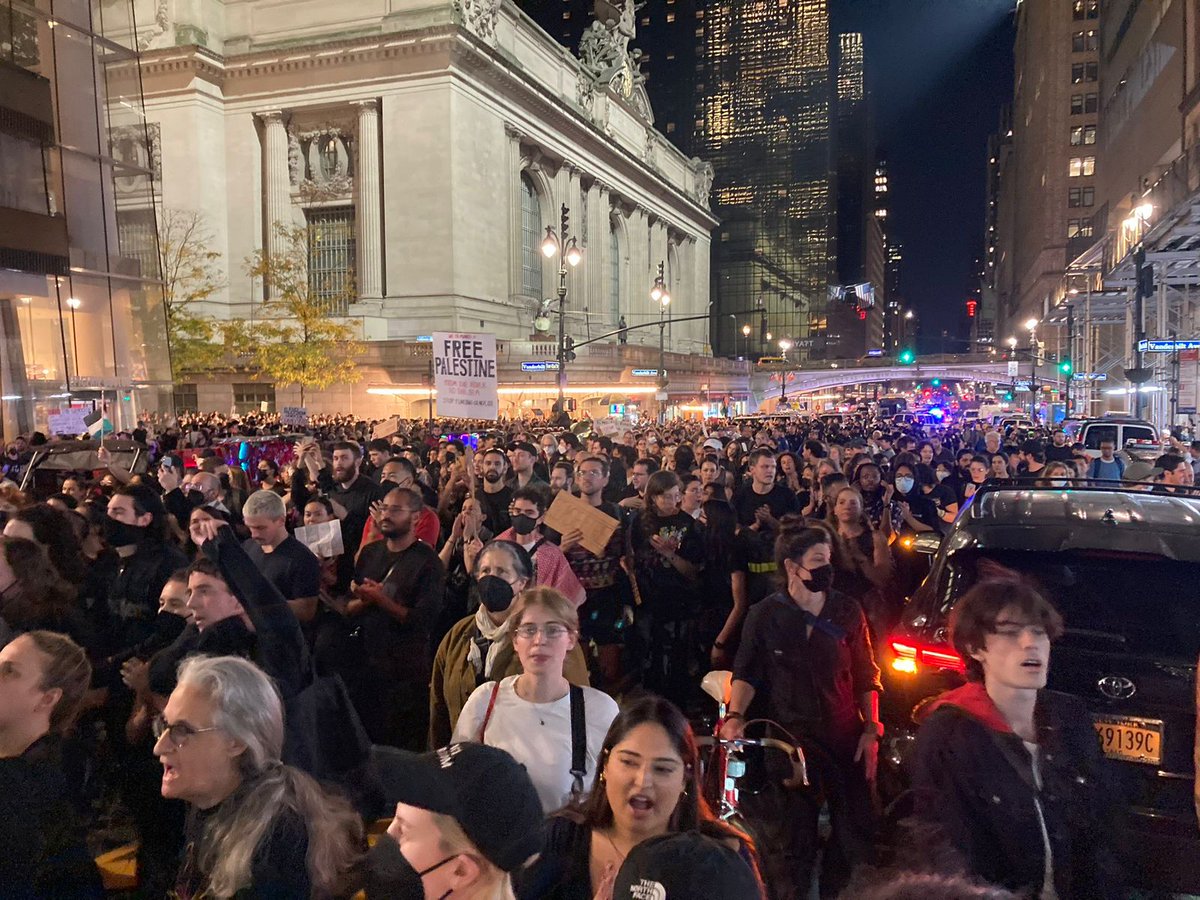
column 1130, row 739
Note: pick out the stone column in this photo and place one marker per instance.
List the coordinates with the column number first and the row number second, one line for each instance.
column 637, row 292
column 599, row 262
column 577, row 299
column 370, row 203
column 277, row 183
column 514, row 209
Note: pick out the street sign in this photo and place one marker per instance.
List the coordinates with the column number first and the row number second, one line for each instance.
column 425, row 338
column 645, row 373
column 1167, row 346
column 1012, row 368
column 874, row 353
column 661, row 395
column 540, row 365
column 1090, row 376
column 1022, row 387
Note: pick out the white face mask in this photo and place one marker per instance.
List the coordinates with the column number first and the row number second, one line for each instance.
column 942, row 475
column 904, row 485
column 1058, row 482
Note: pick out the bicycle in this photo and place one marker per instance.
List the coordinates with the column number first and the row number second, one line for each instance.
column 720, row 784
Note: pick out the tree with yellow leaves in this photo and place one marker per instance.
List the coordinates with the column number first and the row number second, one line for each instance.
column 299, row 339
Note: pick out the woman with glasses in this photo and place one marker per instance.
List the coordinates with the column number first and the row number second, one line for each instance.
column 43, row 679
column 255, row 827
column 479, row 649
column 530, row 715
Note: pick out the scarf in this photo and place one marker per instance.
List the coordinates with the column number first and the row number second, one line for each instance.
column 483, row 649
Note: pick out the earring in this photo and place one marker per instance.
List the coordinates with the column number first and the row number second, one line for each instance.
column 601, row 777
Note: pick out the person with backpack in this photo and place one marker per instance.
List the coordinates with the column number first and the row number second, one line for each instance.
column 1107, row 467
column 551, row 726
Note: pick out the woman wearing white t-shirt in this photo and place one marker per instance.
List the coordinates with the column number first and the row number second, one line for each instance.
column 529, row 715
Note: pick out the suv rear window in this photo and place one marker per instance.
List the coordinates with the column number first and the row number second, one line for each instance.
column 1097, row 433
column 1139, row 433
column 1142, row 604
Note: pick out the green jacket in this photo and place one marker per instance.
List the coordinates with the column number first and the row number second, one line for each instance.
column 454, row 679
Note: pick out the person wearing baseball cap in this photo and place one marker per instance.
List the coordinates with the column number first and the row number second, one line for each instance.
column 467, row 816
column 685, row 866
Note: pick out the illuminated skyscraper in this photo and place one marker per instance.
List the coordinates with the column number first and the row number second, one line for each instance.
column 764, row 121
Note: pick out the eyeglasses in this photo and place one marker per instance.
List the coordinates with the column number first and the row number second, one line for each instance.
column 178, row 733
column 552, row 630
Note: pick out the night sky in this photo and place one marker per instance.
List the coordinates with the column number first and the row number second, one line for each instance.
column 939, row 72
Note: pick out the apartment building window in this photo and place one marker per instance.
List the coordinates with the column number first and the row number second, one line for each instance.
column 1081, row 72
column 331, row 257
column 1082, row 166
column 1084, row 103
column 186, row 398
column 1079, row 228
column 1083, row 41
column 1085, row 9
column 1083, row 135
column 1077, row 197
column 1077, row 104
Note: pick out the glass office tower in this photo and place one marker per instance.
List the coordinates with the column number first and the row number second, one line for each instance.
column 81, row 303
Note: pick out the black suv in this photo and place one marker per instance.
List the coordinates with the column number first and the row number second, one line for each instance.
column 1123, row 568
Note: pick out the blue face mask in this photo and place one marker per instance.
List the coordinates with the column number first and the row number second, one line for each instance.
column 904, row 485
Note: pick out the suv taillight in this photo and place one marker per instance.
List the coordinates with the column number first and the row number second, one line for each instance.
column 908, row 656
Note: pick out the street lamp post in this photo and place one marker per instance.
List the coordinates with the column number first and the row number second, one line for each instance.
column 784, row 346
column 660, row 295
column 568, row 254
column 1032, row 325
column 746, row 335
column 74, row 303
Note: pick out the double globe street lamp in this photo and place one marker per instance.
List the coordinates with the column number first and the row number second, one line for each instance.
column 569, row 253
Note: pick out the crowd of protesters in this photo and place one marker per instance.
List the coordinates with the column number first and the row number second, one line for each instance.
column 247, row 651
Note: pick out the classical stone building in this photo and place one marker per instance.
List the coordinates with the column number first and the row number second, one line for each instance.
column 427, row 147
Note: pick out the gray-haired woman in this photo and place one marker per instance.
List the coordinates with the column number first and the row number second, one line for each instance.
column 256, row 828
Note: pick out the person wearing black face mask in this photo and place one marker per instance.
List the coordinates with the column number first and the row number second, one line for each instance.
column 466, row 816
column 805, row 662
column 479, row 647
column 550, row 566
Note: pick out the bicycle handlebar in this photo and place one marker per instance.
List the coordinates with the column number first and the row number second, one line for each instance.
column 794, row 752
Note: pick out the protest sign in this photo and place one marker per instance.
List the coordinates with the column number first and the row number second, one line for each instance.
column 294, row 416
column 69, row 421
column 324, row 540
column 568, row 512
column 464, row 372
column 385, row 429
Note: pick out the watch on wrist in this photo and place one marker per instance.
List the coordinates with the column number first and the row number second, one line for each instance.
column 734, row 715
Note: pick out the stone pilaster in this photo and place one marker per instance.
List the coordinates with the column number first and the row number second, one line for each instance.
column 370, row 203
column 277, row 184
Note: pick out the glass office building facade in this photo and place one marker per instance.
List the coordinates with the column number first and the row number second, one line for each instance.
column 764, row 121
column 82, row 320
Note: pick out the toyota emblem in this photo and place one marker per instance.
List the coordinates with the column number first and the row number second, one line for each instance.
column 1116, row 687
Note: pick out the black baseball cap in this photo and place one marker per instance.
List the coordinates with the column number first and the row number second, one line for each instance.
column 685, row 866
column 524, row 445
column 482, row 788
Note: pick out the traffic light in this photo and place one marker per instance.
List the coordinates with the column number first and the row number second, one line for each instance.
column 1066, row 367
column 907, row 357
column 569, row 349
column 1008, row 396
column 937, row 382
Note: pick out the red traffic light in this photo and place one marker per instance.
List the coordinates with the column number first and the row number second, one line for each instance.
column 972, row 305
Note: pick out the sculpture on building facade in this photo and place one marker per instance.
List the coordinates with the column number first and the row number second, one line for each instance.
column 479, row 17
column 705, row 173
column 608, row 62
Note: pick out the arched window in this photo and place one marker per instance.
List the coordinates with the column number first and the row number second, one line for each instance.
column 531, row 234
column 614, row 275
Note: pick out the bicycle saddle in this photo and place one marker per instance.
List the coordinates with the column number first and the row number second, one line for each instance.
column 718, row 684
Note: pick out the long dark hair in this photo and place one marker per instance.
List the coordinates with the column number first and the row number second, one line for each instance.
column 52, row 530
column 692, row 812
column 39, row 595
column 719, row 532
